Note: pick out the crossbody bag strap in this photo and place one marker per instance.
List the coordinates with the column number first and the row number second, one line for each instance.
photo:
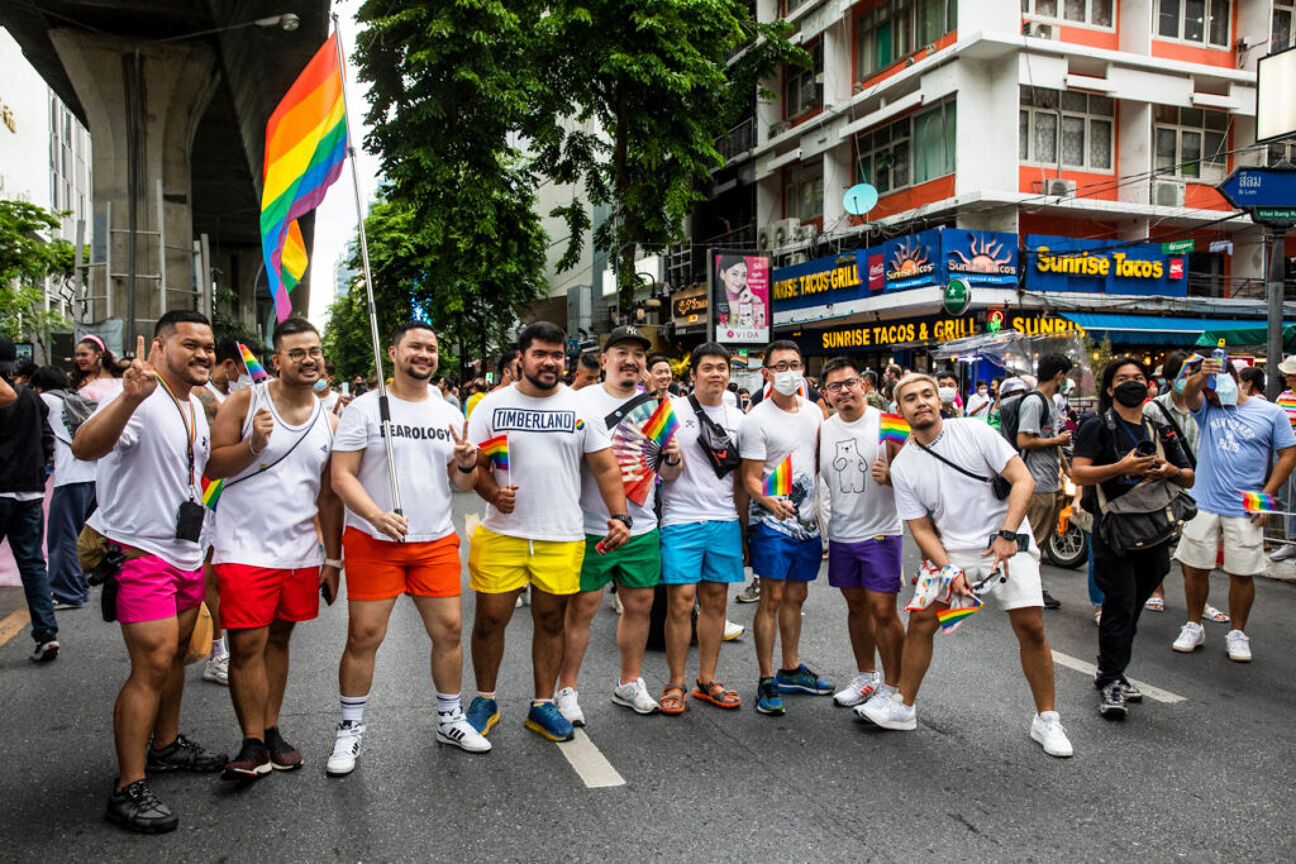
column 957, row 468
column 614, row 419
column 705, row 419
column 319, row 410
column 1178, row 430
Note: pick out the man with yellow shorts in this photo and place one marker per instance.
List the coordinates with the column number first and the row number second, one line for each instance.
column 536, row 433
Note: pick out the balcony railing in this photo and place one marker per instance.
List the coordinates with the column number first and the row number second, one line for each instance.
column 740, row 139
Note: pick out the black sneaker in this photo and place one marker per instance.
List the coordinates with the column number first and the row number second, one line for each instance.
column 1051, row 602
column 45, row 652
column 283, row 756
column 183, row 755
column 137, row 808
column 1111, row 704
column 252, row 761
column 1131, row 693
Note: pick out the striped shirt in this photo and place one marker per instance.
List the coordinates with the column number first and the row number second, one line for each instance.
column 1187, row 423
column 1287, row 402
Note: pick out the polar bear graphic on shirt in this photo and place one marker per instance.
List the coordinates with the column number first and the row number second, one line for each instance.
column 850, row 467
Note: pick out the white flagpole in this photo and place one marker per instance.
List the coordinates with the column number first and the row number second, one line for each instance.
column 384, row 411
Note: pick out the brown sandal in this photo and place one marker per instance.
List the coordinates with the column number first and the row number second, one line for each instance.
column 717, row 695
column 670, row 702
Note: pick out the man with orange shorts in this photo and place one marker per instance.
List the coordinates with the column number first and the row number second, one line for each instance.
column 271, row 444
column 415, row 552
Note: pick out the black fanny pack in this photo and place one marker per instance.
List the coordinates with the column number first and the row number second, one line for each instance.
column 721, row 450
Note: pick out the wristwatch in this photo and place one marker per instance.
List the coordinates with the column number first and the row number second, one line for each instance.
column 1010, row 536
column 624, row 519
column 333, row 562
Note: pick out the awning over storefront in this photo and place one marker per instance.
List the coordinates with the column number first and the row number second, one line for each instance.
column 1141, row 329
column 1247, row 334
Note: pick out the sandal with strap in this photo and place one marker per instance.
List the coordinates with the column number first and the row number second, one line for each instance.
column 670, row 702
column 1155, row 604
column 717, row 695
column 1212, row 614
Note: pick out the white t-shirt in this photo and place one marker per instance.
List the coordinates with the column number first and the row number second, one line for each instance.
column 697, row 494
column 141, row 483
column 548, row 438
column 67, row 468
column 422, row 447
column 860, row 508
column 978, row 405
column 965, row 511
column 769, row 434
column 216, row 392
column 330, row 402
column 729, row 398
column 599, row 403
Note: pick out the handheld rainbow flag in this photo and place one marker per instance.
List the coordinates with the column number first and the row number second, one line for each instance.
column 663, row 424
column 306, row 142
column 894, row 429
column 952, row 619
column 1259, row 502
column 254, row 367
column 1186, row 369
column 496, row 450
column 779, row 482
column 211, row 490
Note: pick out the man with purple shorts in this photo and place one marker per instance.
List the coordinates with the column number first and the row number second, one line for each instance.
column 865, row 545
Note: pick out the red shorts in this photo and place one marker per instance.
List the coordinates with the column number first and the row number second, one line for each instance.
column 382, row 569
column 254, row 596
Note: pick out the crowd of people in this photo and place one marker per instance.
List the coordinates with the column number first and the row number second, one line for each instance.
column 179, row 481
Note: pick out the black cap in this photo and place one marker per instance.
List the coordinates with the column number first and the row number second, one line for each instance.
column 622, row 334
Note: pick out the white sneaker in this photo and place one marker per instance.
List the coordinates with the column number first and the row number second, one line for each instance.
column 217, row 670
column 861, row 687
column 346, row 749
column 458, row 732
column 617, row 605
column 524, row 599
column 732, row 631
column 568, row 707
column 635, row 696
column 889, row 712
column 1239, row 646
column 1046, row 729
column 1191, row 637
column 1097, row 616
column 1283, row 552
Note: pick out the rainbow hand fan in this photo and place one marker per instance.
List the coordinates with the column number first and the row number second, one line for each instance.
column 637, row 450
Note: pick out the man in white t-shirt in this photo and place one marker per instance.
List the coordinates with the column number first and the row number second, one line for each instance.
column 151, row 440
column 534, row 531
column 704, row 510
column 865, row 543
column 270, row 448
column 636, row 566
column 414, row 551
column 780, row 438
column 943, row 489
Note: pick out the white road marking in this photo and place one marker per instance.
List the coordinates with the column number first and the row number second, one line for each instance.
column 1089, row 669
column 592, row 766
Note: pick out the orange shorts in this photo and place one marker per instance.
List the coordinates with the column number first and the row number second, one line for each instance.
column 382, row 569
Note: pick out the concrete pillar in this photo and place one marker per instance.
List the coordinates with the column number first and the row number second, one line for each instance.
column 1248, row 261
column 986, row 125
column 1134, row 128
column 174, row 85
column 837, row 178
column 1136, row 25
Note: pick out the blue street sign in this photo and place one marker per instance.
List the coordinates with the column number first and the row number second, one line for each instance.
column 1260, row 187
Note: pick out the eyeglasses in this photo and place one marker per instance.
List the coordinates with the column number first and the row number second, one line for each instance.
column 786, row 366
column 297, row 355
column 839, row 386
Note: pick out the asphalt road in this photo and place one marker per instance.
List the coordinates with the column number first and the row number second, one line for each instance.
column 1205, row 778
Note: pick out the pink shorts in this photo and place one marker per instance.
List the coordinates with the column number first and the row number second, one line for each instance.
column 150, row 589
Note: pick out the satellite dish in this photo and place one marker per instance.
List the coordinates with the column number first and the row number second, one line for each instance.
column 860, row 199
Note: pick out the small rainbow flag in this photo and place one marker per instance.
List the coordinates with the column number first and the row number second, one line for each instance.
column 952, row 619
column 894, row 429
column 779, row 482
column 1186, row 369
column 496, row 450
column 1259, row 502
column 254, row 367
column 663, row 424
column 211, row 491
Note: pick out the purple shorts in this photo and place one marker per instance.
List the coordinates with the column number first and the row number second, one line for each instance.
column 872, row 564
column 150, row 589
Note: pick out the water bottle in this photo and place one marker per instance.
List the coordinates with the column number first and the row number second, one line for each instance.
column 1221, row 354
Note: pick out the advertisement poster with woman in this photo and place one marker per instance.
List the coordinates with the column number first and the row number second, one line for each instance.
column 740, row 292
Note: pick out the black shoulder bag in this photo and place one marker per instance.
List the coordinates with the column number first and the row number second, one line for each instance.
column 721, row 451
column 998, row 484
column 1152, row 513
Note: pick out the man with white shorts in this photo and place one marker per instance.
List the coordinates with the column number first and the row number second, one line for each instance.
column 943, row 488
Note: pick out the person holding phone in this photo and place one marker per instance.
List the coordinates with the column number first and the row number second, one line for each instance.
column 272, row 445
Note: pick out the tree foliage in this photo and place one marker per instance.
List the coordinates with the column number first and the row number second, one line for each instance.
column 27, row 259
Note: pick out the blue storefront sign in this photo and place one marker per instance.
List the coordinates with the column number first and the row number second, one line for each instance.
column 980, row 257
column 835, row 279
column 914, row 261
column 1102, row 267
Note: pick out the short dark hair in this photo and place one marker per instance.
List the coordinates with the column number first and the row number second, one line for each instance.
column 1254, row 376
column 946, row 372
column 1109, row 375
column 708, row 349
column 782, row 345
column 167, row 323
column 839, row 363
column 590, row 361
column 540, row 331
column 398, row 332
column 49, row 378
column 981, row 382
column 291, row 326
column 227, row 348
column 1051, row 364
column 655, row 359
column 329, row 368
column 1172, row 364
column 27, row 370
column 505, row 360
column 869, row 375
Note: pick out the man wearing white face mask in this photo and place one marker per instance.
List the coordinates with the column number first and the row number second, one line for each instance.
column 325, row 392
column 948, row 393
column 978, row 404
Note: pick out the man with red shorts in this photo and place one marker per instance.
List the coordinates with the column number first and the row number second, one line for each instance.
column 271, row 444
column 152, row 445
column 415, row 552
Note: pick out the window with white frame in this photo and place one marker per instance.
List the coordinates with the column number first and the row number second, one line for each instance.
column 1067, row 126
column 804, row 91
column 882, row 157
column 1095, row 13
column 934, row 142
column 1204, row 21
column 1284, row 13
column 1191, row 143
column 804, row 192
column 790, row 6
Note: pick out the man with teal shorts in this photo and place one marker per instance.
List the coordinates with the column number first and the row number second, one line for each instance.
column 636, row 566
column 701, row 532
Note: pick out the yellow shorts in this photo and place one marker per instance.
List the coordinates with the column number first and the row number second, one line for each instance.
column 498, row 563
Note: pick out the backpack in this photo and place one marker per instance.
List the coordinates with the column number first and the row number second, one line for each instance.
column 1010, row 415
column 76, row 409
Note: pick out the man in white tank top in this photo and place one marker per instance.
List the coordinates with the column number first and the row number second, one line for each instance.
column 271, row 444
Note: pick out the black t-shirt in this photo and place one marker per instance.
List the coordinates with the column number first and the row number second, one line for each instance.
column 1094, row 441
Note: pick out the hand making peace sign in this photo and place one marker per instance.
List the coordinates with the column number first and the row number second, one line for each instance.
column 465, row 452
column 141, row 378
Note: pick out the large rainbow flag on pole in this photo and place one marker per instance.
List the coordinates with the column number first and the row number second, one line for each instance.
column 306, row 140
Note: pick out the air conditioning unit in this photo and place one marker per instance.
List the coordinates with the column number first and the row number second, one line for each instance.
column 1061, row 188
column 1167, row 193
column 805, row 233
column 797, row 258
column 1038, row 30
column 776, row 235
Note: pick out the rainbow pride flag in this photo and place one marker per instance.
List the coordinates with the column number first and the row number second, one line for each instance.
column 894, row 429
column 1259, row 502
column 663, row 424
column 779, row 482
column 496, row 450
column 211, row 491
column 306, row 142
column 1186, row 369
column 952, row 619
column 254, row 367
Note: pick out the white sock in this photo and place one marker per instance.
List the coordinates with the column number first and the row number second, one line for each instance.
column 218, row 648
column 353, row 708
column 447, row 705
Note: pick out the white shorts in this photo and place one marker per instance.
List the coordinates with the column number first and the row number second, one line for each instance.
column 1243, row 544
column 1023, row 588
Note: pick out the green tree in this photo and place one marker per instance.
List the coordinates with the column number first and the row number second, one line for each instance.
column 27, row 259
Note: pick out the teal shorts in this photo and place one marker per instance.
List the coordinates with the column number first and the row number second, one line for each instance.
column 695, row 552
column 637, row 564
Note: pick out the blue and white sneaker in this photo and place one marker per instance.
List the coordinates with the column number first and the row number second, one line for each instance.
column 548, row 721
column 483, row 713
column 802, row 680
column 768, row 700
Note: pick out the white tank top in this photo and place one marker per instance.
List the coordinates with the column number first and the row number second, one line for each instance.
column 215, row 391
column 265, row 514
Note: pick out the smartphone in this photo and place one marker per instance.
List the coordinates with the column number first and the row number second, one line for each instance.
column 326, row 593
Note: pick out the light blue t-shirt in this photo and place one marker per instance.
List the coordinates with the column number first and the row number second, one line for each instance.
column 1233, row 452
